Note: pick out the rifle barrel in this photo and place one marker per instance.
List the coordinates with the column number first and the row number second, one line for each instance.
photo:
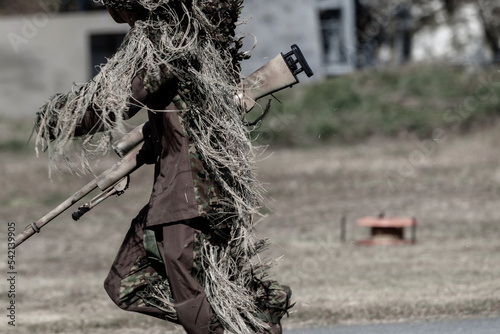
column 36, row 226
column 121, row 168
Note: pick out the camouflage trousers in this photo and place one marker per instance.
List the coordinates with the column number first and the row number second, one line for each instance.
column 168, row 289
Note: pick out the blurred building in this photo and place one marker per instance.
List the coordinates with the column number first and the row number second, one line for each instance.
column 323, row 29
column 43, row 53
column 55, row 43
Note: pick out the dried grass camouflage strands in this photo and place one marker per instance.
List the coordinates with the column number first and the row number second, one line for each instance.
column 171, row 42
column 201, row 53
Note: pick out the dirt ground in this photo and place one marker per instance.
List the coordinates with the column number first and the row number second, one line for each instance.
column 450, row 184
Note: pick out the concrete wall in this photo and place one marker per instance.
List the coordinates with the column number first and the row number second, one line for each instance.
column 278, row 24
column 41, row 55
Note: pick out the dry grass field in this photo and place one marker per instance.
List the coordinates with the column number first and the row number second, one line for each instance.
column 451, row 185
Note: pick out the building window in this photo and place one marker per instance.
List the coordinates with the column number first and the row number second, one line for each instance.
column 103, row 46
column 337, row 25
column 333, row 38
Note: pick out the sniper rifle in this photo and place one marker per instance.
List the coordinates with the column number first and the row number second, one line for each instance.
column 279, row 73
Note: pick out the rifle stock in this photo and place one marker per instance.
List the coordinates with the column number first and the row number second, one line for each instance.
column 279, row 73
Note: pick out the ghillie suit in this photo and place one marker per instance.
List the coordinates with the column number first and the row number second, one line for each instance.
column 189, row 43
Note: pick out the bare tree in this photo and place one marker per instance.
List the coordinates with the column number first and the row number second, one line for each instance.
column 490, row 15
column 378, row 22
column 391, row 23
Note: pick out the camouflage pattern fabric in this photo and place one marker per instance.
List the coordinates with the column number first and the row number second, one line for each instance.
column 274, row 304
column 159, row 294
column 197, row 271
column 143, row 286
column 119, row 4
column 205, row 189
column 153, row 83
column 136, row 280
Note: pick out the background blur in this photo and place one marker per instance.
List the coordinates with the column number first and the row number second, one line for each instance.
column 48, row 44
column 401, row 118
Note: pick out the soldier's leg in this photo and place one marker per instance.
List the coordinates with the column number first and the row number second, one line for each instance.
column 193, row 310
column 130, row 270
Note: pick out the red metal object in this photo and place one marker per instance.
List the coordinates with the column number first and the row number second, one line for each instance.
column 388, row 231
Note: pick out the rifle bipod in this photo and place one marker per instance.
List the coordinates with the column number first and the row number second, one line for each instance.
column 117, row 189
